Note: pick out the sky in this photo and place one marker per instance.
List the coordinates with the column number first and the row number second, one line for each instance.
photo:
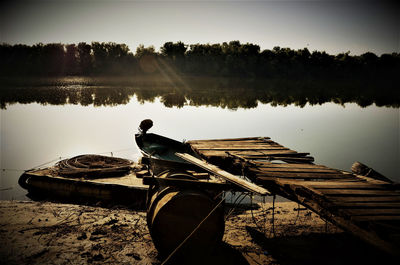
column 331, row 26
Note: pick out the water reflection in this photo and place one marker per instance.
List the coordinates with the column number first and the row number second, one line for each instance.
column 219, row 92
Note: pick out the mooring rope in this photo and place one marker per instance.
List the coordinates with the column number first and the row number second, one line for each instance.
column 252, row 214
column 273, row 215
column 51, row 161
column 235, row 204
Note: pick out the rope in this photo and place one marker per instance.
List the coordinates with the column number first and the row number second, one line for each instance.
column 12, row 169
column 116, row 151
column 252, row 214
column 93, row 166
column 273, row 215
column 235, row 204
column 37, row 167
column 9, row 188
column 197, row 227
column 265, row 216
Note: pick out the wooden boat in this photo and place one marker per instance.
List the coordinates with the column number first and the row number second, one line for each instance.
column 88, row 178
column 161, row 152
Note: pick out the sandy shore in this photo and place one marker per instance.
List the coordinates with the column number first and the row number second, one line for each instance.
column 54, row 233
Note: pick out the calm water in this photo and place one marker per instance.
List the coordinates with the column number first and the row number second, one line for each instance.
column 336, row 135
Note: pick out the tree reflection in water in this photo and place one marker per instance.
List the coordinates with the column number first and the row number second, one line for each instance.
column 231, row 93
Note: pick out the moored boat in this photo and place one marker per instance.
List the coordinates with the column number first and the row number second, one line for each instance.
column 161, row 152
column 88, row 178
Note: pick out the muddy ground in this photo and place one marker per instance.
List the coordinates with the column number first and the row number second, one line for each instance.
column 55, row 233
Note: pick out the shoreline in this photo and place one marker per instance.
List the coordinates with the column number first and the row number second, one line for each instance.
column 55, row 233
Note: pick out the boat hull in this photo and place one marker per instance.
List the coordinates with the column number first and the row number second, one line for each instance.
column 125, row 190
column 159, row 153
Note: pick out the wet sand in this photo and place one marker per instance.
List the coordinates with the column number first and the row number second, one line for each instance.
column 55, row 233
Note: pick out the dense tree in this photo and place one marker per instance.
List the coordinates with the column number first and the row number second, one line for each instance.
column 143, row 51
column 174, row 50
column 147, row 58
column 85, row 58
column 230, row 59
column 71, row 59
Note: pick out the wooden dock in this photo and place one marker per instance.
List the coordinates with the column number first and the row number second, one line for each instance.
column 366, row 207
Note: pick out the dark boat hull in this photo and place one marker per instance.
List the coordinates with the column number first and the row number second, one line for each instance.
column 125, row 190
column 160, row 151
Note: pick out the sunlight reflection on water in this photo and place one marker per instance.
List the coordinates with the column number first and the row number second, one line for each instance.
column 335, row 135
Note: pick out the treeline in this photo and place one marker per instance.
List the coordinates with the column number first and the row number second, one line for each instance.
column 226, row 59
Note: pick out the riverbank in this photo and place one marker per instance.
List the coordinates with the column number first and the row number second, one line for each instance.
column 54, row 233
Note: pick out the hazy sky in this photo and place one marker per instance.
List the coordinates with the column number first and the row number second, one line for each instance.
column 333, row 26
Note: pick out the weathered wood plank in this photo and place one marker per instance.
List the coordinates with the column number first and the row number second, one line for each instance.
column 375, row 218
column 260, row 174
column 354, row 192
column 268, row 179
column 185, row 183
column 283, row 153
column 372, row 212
column 349, row 187
column 355, row 199
column 225, row 175
column 300, row 170
column 295, row 160
column 238, row 144
column 267, row 164
column 336, row 185
column 240, row 148
column 367, row 204
column 244, row 139
column 253, row 153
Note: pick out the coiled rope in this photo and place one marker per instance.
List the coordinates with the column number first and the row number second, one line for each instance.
column 93, row 166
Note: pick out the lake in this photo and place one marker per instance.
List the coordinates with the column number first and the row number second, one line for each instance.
column 34, row 132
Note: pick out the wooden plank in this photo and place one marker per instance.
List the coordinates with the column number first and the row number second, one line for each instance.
column 320, row 184
column 349, row 187
column 338, row 185
column 230, row 139
column 372, row 212
column 375, row 218
column 293, row 159
column 252, row 153
column 237, row 144
column 300, row 170
column 223, row 174
column 296, row 160
column 329, row 177
column 261, row 174
column 267, row 164
column 352, row 192
column 354, row 199
column 185, row 183
column 277, row 153
column 367, row 204
column 241, row 148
